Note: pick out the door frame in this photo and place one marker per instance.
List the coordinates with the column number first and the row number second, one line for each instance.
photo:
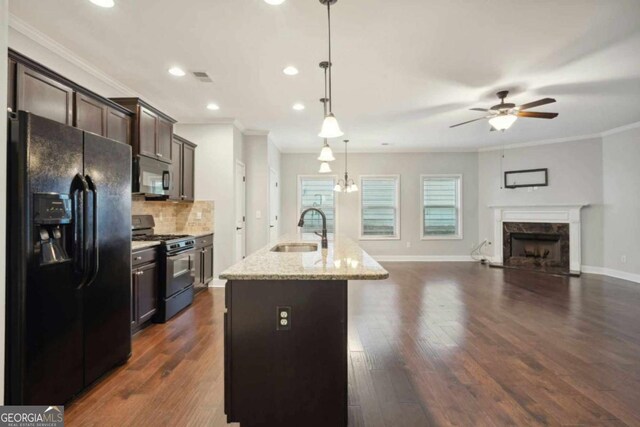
column 240, row 164
column 272, row 172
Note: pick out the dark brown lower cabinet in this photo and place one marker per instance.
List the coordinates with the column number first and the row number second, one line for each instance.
column 144, row 288
column 292, row 373
column 203, row 262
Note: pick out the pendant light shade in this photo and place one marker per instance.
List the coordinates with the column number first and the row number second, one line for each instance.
column 502, row 121
column 330, row 127
column 326, row 155
column 324, row 167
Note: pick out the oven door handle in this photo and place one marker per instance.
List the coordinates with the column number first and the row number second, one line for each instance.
column 182, row 252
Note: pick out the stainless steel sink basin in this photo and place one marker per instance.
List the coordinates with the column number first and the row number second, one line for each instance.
column 295, row 247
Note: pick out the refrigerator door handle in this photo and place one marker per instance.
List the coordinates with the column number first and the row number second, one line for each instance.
column 80, row 255
column 96, row 255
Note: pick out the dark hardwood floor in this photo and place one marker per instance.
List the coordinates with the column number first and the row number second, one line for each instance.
column 435, row 344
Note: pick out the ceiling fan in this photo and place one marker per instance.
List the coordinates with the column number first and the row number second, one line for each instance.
column 503, row 115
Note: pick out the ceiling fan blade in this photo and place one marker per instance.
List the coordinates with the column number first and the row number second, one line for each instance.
column 537, row 103
column 464, row 123
column 479, row 109
column 536, row 115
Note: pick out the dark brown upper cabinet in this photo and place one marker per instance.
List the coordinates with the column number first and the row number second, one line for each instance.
column 175, row 187
column 165, row 138
column 91, row 114
column 35, row 88
column 11, row 89
column 188, row 171
column 118, row 126
column 182, row 180
column 43, row 96
column 152, row 130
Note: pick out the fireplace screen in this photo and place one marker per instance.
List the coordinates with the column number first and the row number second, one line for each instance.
column 536, row 245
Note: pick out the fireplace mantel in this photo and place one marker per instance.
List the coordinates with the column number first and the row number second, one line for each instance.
column 565, row 213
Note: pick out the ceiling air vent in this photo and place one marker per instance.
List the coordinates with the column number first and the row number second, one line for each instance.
column 202, row 76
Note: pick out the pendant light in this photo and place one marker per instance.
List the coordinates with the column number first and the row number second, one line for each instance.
column 346, row 185
column 326, row 154
column 324, row 167
column 330, row 127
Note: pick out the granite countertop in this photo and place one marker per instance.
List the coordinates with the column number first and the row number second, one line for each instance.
column 136, row 246
column 343, row 260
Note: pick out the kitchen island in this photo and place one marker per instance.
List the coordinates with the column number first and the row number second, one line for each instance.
column 286, row 332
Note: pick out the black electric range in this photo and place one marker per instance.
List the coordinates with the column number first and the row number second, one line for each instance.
column 177, row 266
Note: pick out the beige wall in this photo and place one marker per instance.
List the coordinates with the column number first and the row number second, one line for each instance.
column 621, row 175
column 4, row 15
column 219, row 145
column 409, row 166
column 575, row 177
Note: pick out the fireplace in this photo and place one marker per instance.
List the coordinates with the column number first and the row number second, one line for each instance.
column 548, row 221
column 540, row 246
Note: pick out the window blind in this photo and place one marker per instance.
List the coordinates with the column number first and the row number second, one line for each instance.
column 441, row 210
column 317, row 193
column 379, row 207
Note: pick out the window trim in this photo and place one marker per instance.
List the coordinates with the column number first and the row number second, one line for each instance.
column 460, row 234
column 299, row 201
column 398, row 234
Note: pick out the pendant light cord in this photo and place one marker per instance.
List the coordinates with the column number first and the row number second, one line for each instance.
column 330, row 64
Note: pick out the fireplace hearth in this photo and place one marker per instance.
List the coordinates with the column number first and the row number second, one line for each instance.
column 536, row 246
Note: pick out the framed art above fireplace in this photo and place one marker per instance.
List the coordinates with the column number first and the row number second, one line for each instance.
column 526, row 178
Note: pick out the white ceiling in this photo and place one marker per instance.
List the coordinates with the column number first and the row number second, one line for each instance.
column 404, row 70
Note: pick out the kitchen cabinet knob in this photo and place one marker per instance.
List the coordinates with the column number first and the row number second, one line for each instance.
column 204, row 251
column 158, row 154
column 142, row 273
column 138, row 258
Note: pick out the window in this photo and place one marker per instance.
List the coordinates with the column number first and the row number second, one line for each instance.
column 379, row 207
column 441, row 207
column 317, row 192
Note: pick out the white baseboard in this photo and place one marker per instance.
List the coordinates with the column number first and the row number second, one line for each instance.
column 217, row 283
column 422, row 258
column 632, row 277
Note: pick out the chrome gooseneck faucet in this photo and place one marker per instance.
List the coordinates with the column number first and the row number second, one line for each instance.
column 325, row 243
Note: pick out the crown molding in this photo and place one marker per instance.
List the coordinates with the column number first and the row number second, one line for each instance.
column 53, row 46
column 621, row 129
column 256, row 132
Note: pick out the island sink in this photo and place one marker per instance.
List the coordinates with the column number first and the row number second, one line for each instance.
column 295, row 247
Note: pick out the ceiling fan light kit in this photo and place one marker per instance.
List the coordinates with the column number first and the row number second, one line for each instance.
column 502, row 121
column 501, row 116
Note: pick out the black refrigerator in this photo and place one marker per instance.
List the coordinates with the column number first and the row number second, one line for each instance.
column 68, row 260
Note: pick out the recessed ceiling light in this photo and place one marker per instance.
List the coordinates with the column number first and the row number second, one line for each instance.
column 274, row 2
column 290, row 71
column 177, row 71
column 213, row 107
column 103, row 3
column 298, row 107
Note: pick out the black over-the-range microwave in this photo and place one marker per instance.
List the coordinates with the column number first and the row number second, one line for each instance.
column 151, row 178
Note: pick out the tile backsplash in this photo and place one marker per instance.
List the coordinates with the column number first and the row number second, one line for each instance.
column 171, row 217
